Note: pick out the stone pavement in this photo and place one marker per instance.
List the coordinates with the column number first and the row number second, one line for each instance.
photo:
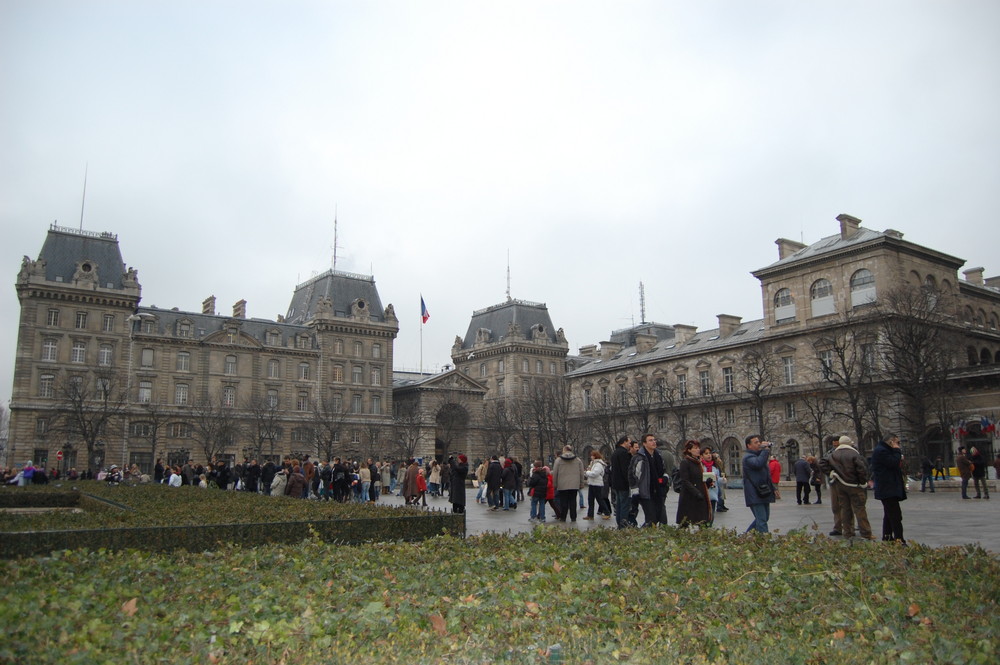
column 939, row 519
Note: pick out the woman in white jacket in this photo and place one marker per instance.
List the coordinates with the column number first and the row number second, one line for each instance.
column 595, row 487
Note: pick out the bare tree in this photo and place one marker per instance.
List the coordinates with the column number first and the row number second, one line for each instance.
column 373, row 439
column 759, row 376
column 89, row 404
column 499, row 421
column 603, row 418
column 329, row 420
column 407, row 423
column 678, row 406
column 712, row 415
column 149, row 425
column 918, row 341
column 819, row 413
column 641, row 402
column 215, row 427
column 263, row 424
column 559, row 399
column 452, row 420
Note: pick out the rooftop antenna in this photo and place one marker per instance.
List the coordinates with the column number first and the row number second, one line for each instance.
column 334, row 264
column 83, row 202
column 508, row 274
column 642, row 302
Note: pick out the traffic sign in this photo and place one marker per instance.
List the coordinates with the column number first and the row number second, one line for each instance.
column 59, row 455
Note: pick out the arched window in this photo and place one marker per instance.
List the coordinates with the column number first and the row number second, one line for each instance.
column 973, row 356
column 784, row 306
column 862, row 288
column 821, row 297
column 985, row 357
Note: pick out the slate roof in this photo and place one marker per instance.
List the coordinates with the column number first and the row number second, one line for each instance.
column 706, row 341
column 342, row 288
column 533, row 319
column 64, row 247
column 829, row 244
column 204, row 325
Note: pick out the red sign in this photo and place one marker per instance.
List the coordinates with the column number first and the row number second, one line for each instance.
column 59, row 455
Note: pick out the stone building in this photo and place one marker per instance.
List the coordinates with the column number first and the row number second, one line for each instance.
column 827, row 357
column 104, row 380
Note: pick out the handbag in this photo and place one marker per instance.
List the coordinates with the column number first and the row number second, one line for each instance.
column 765, row 489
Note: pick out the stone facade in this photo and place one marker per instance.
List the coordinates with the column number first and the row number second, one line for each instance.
column 321, row 377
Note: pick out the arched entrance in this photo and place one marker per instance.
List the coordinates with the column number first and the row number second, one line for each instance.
column 451, row 423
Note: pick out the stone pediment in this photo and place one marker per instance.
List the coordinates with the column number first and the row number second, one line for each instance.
column 240, row 339
column 453, row 380
column 784, row 349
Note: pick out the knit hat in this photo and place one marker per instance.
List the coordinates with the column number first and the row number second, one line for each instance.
column 846, row 441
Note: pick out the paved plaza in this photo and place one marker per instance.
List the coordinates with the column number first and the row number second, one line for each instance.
column 939, row 519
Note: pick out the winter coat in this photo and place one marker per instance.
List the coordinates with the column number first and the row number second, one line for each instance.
column 508, row 478
column 846, row 466
column 620, row 460
column 964, row 466
column 278, row 484
column 538, row 483
column 803, row 472
column 410, row 482
column 456, row 490
column 979, row 468
column 887, row 472
column 645, row 475
column 756, row 471
column 693, row 506
column 296, row 485
column 567, row 473
column 595, row 473
column 494, row 473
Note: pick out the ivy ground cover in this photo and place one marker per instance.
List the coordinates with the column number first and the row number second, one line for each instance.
column 652, row 596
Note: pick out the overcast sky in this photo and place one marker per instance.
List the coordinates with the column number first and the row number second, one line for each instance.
column 598, row 144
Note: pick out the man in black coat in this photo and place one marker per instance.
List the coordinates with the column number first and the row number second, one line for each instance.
column 494, row 477
column 621, row 498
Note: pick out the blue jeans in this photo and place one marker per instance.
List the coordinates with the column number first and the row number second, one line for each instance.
column 538, row 508
column 493, row 498
column 623, row 506
column 508, row 499
column 965, row 488
column 761, row 514
column 363, row 496
column 928, row 478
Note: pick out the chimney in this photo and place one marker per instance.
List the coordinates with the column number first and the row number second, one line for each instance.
column 728, row 324
column 683, row 333
column 588, row 351
column 240, row 309
column 609, row 349
column 644, row 342
column 208, row 305
column 787, row 247
column 993, row 282
column 848, row 226
column 974, row 276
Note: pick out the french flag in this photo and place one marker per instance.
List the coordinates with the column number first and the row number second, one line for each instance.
column 424, row 314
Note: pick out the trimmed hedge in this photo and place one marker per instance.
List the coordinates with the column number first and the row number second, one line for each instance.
column 162, row 519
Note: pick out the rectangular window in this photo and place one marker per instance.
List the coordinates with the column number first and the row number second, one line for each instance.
column 482, row 370
column 682, row 386
column 230, row 365
column 53, row 317
column 180, row 431
column 604, row 396
column 272, row 399
column 359, row 349
column 357, row 375
column 525, row 365
column 302, row 401
column 376, row 376
column 376, row 405
column 46, row 385
column 730, row 417
column 145, row 392
column 183, row 361
column 142, row 430
column 109, row 323
column 788, row 367
column 303, row 371
column 184, row 329
column 706, row 383
column 50, row 349
column 105, row 355
column 826, row 363
column 147, row 358
column 376, row 350
column 181, row 394
column 148, row 326
column 337, row 374
column 622, row 396
column 81, row 320
column 41, row 426
column 356, row 437
column 273, row 369
column 336, row 403
column 302, row 342
column 229, row 396
column 79, row 354
column 552, row 368
column 356, row 404
column 789, row 411
column 661, row 423
column 727, row 379
column 586, row 399
column 272, row 339
column 500, row 366
column 501, row 390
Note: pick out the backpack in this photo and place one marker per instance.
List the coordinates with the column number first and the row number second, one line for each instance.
column 675, row 479
column 607, row 475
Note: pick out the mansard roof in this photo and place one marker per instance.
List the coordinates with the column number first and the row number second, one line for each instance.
column 204, row 326
column 704, row 342
column 65, row 249
column 531, row 317
column 342, row 288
